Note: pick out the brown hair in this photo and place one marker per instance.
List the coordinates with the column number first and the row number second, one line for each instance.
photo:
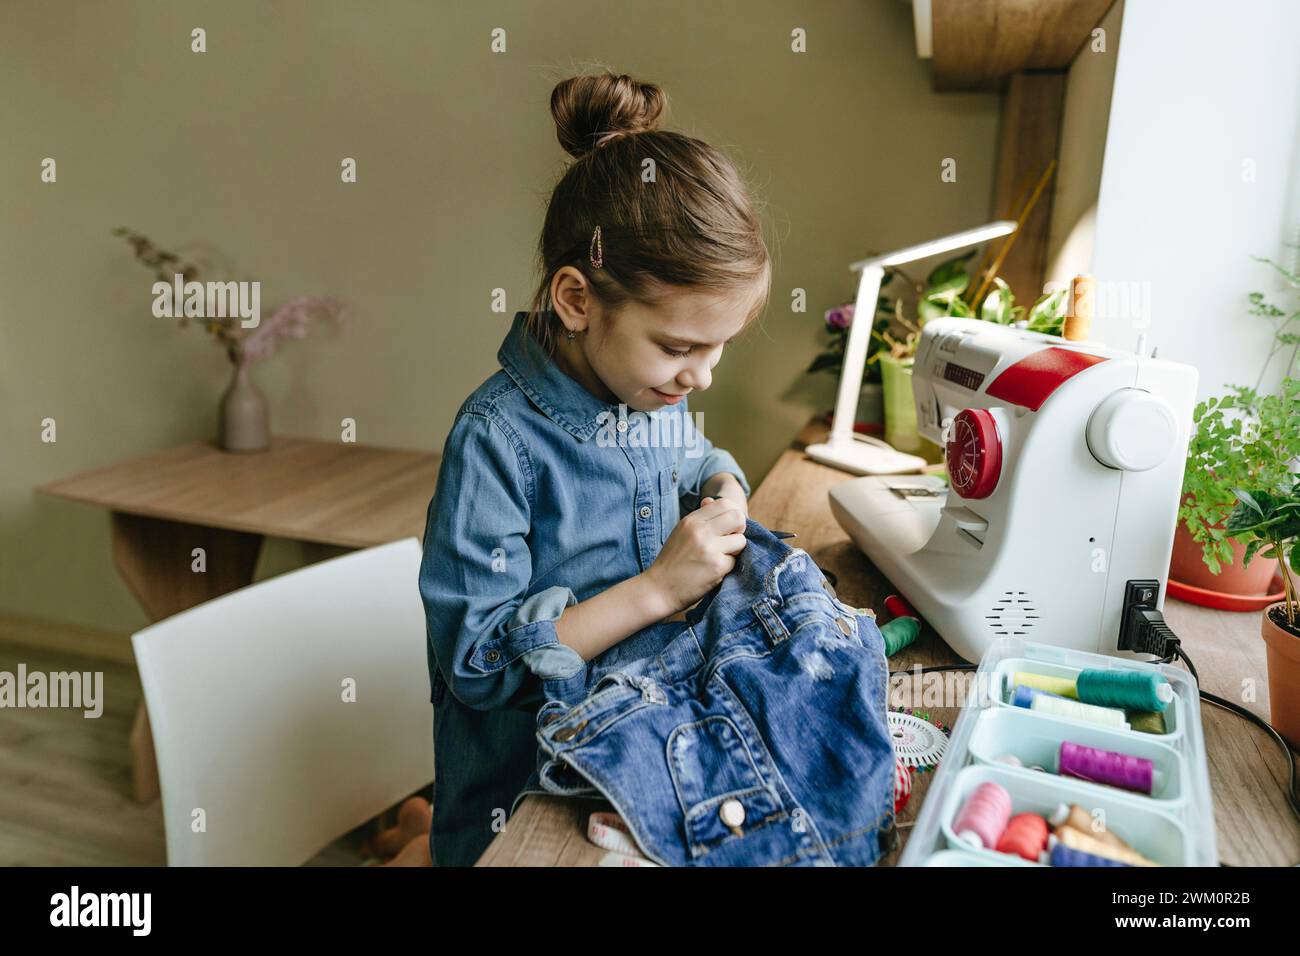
column 693, row 227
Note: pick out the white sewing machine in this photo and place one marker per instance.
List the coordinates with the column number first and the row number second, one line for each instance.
column 1066, row 466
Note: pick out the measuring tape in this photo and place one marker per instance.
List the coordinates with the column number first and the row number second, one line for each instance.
column 609, row 832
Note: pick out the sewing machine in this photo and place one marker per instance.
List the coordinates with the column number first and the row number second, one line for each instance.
column 1065, row 465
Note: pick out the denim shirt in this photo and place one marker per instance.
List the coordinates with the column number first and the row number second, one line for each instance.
column 546, row 496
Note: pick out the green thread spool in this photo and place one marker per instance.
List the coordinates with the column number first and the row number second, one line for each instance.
column 1127, row 690
column 898, row 633
column 1148, row 723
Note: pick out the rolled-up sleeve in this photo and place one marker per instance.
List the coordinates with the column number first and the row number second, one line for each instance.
column 700, row 460
column 489, row 637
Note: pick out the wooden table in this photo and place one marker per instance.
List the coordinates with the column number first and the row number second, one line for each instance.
column 1247, row 771
column 332, row 495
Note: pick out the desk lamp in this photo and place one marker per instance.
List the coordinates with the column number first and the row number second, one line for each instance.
column 844, row 449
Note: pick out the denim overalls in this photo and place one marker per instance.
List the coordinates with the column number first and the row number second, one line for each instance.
column 752, row 734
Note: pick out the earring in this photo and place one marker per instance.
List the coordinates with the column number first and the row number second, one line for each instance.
column 570, row 335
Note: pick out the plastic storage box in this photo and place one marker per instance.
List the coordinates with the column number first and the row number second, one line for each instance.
column 1173, row 826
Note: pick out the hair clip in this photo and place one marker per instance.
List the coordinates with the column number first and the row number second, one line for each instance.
column 596, row 252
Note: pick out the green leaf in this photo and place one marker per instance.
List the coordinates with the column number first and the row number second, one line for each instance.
column 949, row 268
column 997, row 305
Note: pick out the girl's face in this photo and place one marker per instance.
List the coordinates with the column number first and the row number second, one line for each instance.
column 650, row 357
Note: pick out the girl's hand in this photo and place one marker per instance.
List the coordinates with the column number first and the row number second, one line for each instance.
column 699, row 553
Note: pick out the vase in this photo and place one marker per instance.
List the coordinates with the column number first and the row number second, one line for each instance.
column 900, row 406
column 871, row 404
column 1283, row 673
column 244, row 421
column 900, row 411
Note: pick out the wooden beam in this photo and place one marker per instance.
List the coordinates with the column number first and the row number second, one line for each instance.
column 978, row 44
column 1027, row 142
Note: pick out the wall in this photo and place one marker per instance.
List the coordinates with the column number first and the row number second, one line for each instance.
column 1199, row 176
column 1080, row 151
column 234, row 153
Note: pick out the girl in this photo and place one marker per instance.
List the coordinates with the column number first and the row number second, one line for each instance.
column 554, row 529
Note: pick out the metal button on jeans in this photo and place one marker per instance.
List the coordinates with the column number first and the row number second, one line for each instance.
column 568, row 733
column 732, row 813
column 645, row 511
column 845, row 626
column 492, row 656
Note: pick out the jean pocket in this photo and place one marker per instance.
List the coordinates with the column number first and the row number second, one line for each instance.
column 718, row 784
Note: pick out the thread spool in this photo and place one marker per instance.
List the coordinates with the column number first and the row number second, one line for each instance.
column 1024, row 696
column 1060, row 686
column 983, row 818
column 1107, row 767
column 1076, row 840
column 1062, row 855
column 1149, row 722
column 1073, row 710
column 1078, row 316
column 899, row 633
column 1011, row 760
column 1077, row 818
column 1128, row 690
column 1025, row 836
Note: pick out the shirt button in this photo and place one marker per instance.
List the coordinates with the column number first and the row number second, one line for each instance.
column 492, row 656
column 674, row 474
column 622, row 425
column 732, row 813
column 645, row 511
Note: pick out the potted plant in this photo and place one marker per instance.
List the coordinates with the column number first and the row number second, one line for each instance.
column 1267, row 521
column 1207, row 564
column 831, row 360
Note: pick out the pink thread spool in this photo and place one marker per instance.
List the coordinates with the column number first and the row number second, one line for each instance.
column 983, row 818
column 1106, row 766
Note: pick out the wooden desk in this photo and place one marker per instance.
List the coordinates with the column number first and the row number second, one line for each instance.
column 1247, row 772
column 334, row 496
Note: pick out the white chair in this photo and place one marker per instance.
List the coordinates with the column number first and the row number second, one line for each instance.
column 252, row 719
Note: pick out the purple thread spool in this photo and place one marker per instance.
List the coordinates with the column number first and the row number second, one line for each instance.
column 1106, row 766
column 1062, row 855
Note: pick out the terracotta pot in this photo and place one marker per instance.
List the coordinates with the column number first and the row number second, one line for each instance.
column 1283, row 673
column 1186, row 566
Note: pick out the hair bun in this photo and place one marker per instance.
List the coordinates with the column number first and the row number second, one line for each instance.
column 590, row 111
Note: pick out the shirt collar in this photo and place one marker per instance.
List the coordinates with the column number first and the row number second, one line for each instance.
column 562, row 399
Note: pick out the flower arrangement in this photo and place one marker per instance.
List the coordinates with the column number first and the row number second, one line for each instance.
column 291, row 320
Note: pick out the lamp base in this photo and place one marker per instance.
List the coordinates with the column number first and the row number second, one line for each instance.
column 865, row 456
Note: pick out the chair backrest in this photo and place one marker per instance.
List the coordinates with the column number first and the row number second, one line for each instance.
column 290, row 711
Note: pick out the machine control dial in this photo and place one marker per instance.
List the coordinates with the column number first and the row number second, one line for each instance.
column 974, row 453
column 1131, row 430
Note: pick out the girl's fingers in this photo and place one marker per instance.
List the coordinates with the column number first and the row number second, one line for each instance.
column 733, row 543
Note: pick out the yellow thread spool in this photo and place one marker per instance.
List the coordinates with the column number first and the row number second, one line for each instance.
column 1061, row 686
